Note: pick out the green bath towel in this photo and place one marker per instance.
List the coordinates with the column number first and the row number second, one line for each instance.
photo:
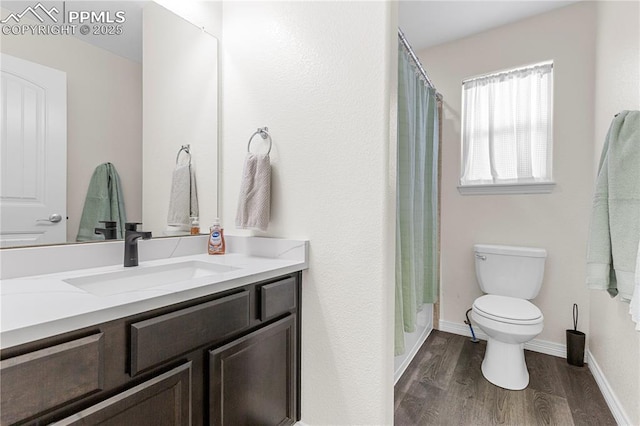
column 104, row 202
column 615, row 217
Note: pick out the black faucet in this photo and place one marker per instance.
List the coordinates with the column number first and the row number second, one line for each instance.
column 110, row 230
column 131, row 237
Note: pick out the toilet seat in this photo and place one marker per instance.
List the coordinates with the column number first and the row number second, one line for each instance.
column 506, row 309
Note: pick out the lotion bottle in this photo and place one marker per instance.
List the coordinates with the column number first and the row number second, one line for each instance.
column 216, row 238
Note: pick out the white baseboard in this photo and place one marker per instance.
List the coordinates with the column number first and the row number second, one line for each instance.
column 609, row 396
column 461, row 329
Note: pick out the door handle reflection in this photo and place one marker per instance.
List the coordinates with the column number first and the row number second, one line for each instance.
column 53, row 218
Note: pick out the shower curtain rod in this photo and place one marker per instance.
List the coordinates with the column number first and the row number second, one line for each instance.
column 417, row 63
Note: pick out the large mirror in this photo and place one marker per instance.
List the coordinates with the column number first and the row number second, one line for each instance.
column 95, row 86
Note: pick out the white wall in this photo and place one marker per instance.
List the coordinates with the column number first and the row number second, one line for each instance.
column 104, row 114
column 319, row 75
column 202, row 13
column 180, row 98
column 614, row 343
column 558, row 221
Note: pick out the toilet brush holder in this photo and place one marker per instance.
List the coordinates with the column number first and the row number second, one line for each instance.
column 575, row 342
column 575, row 347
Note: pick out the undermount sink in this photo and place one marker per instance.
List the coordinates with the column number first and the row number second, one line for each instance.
column 142, row 277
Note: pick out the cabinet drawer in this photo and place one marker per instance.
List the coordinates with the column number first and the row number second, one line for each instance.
column 277, row 298
column 40, row 380
column 161, row 338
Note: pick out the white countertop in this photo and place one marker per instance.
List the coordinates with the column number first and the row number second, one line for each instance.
column 36, row 307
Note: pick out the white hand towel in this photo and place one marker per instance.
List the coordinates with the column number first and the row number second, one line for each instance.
column 183, row 201
column 254, row 202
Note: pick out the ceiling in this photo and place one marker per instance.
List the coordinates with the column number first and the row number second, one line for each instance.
column 425, row 23
column 127, row 44
column 428, row 23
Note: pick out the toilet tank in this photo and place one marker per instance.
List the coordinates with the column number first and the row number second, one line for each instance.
column 510, row 271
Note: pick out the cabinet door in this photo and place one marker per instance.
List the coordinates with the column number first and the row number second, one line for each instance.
column 253, row 379
column 162, row 400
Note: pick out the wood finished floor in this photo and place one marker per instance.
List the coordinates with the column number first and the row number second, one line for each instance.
column 443, row 385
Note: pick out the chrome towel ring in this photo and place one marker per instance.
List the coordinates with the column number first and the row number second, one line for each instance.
column 187, row 149
column 264, row 133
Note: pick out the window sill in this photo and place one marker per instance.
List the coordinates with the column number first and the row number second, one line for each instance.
column 507, row 188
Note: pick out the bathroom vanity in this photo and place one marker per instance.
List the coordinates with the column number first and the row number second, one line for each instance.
column 219, row 349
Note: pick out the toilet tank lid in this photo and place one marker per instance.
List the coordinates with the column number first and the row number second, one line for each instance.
column 510, row 250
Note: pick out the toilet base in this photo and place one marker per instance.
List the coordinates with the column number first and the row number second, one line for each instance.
column 504, row 365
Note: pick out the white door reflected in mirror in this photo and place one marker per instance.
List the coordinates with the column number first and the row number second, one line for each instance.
column 34, row 154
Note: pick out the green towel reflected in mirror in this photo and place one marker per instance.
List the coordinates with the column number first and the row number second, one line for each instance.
column 104, row 201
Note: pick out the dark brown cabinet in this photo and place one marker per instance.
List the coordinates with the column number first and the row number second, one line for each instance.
column 165, row 336
column 50, row 376
column 252, row 379
column 164, row 400
column 231, row 358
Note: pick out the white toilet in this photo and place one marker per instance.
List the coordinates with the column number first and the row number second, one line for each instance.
column 510, row 276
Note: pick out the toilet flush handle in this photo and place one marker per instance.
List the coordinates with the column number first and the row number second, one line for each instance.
column 481, row 257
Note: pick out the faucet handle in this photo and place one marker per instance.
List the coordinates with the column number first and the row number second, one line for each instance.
column 109, row 224
column 132, row 226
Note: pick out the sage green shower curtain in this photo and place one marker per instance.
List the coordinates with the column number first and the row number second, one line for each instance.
column 417, row 198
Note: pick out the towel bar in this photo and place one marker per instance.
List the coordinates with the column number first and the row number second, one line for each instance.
column 264, row 133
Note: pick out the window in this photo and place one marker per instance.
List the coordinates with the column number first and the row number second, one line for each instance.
column 507, row 131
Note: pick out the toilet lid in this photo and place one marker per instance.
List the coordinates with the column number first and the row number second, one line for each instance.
column 507, row 309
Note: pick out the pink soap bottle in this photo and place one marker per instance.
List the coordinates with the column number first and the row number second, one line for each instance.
column 216, row 238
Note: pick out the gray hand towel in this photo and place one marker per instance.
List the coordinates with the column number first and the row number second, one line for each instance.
column 254, row 202
column 183, row 201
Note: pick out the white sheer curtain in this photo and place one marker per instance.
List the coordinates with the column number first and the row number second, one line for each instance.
column 506, row 129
